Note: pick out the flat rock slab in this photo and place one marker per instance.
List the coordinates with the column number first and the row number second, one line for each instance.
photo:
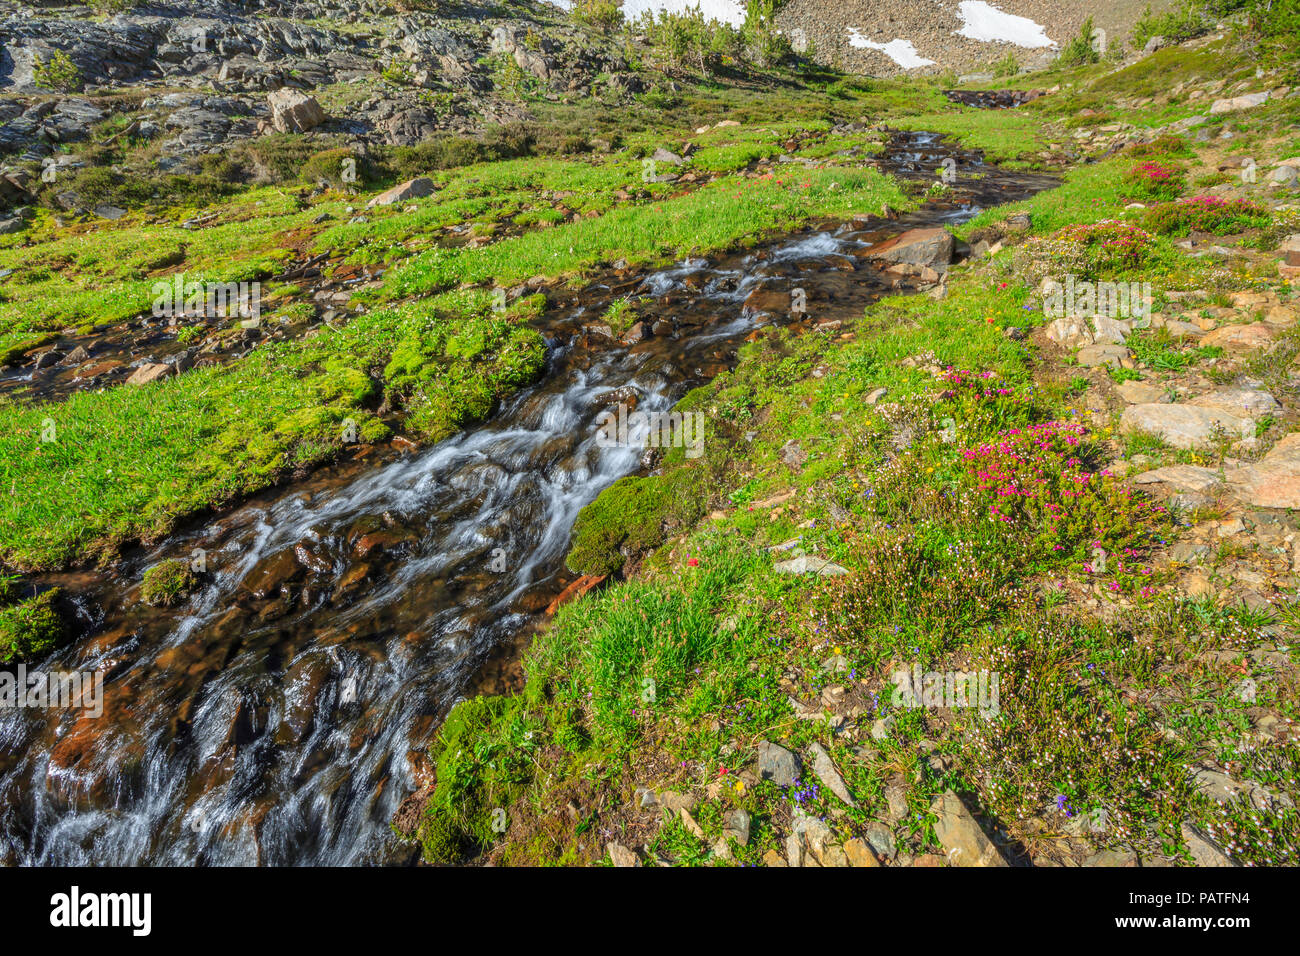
column 1183, row 477
column 960, row 835
column 1091, row 356
column 1140, row 393
column 149, row 373
column 1183, row 330
column 919, row 247
column 1185, row 426
column 1235, row 103
column 1252, row 403
column 1241, row 338
column 806, row 564
column 411, row 189
column 1273, row 481
column 824, row 767
column 777, row 764
column 1204, row 851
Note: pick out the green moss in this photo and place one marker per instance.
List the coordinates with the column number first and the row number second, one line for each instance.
column 441, row 840
column 167, row 583
column 483, row 753
column 31, row 628
column 630, row 517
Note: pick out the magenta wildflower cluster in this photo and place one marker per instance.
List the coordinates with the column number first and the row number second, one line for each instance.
column 973, row 384
column 1035, row 479
column 1209, row 214
column 1030, row 470
column 1152, row 180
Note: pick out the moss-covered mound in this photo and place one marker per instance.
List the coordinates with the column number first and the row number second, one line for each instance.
column 30, row 629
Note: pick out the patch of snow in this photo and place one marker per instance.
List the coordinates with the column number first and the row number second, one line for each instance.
column 725, row 11
column 900, row 51
column 983, row 21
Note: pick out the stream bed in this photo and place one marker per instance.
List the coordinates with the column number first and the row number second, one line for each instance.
column 280, row 714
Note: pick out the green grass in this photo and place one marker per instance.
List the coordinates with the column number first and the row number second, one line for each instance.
column 1013, row 140
column 129, row 462
column 721, row 215
column 628, row 688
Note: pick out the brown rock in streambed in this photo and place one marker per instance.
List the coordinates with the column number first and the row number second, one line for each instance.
column 575, row 590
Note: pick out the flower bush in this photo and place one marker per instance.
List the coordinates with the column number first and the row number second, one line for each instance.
column 982, row 402
column 1110, row 245
column 1212, row 214
column 1093, row 251
column 1153, row 181
column 1036, row 480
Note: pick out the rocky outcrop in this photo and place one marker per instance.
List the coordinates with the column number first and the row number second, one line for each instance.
column 960, row 835
column 288, row 50
column 293, row 111
column 1274, row 481
column 1185, row 426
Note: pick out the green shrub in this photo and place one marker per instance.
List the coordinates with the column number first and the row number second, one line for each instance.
column 167, row 583
column 1165, row 145
column 1080, row 51
column 332, row 166
column 1212, row 214
column 58, row 73
column 1007, row 66
column 687, row 39
column 280, row 157
column 765, row 45
column 31, row 628
column 1276, row 21
column 220, row 175
column 450, row 151
column 1152, row 181
column 1176, row 25
column 603, row 14
column 397, row 73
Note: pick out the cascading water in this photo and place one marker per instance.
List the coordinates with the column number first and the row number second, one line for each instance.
column 269, row 720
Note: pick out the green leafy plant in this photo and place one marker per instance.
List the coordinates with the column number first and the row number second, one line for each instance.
column 767, row 46
column 1080, row 50
column 1212, row 214
column 1153, row 181
column 1181, row 23
column 1007, row 66
column 605, row 15
column 58, row 73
